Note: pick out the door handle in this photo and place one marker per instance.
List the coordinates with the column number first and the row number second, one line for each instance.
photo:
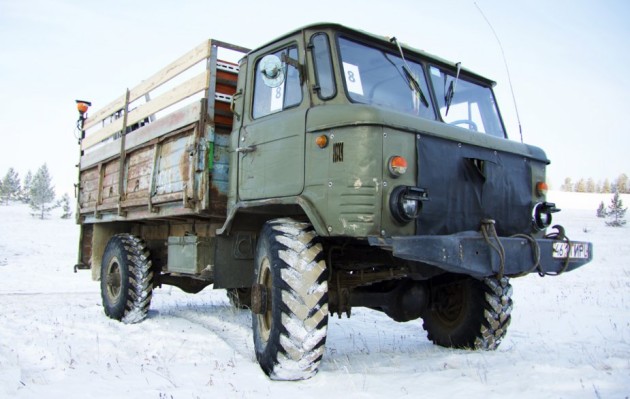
column 247, row 149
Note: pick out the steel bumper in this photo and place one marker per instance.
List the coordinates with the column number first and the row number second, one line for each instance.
column 470, row 253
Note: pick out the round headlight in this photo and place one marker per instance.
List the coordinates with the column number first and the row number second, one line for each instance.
column 541, row 217
column 404, row 207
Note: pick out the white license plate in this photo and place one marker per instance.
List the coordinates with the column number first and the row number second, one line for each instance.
column 578, row 250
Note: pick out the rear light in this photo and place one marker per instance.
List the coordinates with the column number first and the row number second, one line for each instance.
column 541, row 188
column 397, row 165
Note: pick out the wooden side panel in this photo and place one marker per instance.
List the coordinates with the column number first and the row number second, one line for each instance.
column 139, row 166
column 109, row 193
column 173, row 166
column 88, row 193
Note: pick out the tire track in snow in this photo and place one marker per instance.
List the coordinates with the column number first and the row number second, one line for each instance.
column 232, row 326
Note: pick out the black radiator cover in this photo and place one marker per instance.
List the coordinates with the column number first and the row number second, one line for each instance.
column 468, row 183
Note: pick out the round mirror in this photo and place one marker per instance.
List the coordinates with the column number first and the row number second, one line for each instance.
column 272, row 71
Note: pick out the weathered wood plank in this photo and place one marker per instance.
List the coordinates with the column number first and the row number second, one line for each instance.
column 167, row 73
column 202, row 51
column 169, row 123
column 178, row 93
column 102, row 134
column 105, row 112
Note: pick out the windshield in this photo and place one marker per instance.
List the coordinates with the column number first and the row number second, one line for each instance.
column 466, row 104
column 377, row 77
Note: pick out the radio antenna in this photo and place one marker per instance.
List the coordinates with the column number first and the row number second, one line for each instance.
column 518, row 118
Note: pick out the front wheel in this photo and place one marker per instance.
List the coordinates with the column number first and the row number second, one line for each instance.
column 469, row 313
column 126, row 279
column 289, row 300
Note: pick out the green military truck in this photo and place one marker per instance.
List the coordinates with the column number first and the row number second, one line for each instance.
column 325, row 170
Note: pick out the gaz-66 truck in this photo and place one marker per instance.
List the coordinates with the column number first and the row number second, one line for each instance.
column 325, row 170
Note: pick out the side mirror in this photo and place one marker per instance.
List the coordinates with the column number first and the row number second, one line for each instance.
column 272, row 70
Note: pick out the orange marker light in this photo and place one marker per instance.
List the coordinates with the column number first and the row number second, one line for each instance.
column 321, row 141
column 397, row 165
column 541, row 188
column 82, row 107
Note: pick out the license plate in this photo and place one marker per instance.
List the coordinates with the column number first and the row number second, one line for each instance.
column 579, row 250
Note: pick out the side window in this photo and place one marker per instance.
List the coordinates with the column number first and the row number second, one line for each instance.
column 323, row 66
column 275, row 97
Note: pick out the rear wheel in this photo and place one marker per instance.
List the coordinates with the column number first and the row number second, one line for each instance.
column 126, row 279
column 289, row 300
column 469, row 313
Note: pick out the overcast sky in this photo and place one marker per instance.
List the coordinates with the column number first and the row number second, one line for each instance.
column 568, row 61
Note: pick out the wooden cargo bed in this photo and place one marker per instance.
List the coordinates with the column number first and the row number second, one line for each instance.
column 142, row 160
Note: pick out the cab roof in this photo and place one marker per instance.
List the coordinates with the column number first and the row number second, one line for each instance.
column 383, row 41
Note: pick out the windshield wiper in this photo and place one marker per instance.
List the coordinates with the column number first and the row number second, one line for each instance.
column 413, row 82
column 448, row 94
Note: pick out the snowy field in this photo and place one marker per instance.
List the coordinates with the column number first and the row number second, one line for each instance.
column 569, row 337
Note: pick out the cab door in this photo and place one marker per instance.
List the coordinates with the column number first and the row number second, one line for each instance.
column 271, row 141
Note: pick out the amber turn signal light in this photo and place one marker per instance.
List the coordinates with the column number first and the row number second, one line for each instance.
column 397, row 165
column 541, row 188
column 321, row 141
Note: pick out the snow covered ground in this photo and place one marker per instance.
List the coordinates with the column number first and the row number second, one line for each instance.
column 569, row 337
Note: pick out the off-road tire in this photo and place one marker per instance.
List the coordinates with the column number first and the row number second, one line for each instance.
column 469, row 313
column 290, row 334
column 126, row 279
column 240, row 298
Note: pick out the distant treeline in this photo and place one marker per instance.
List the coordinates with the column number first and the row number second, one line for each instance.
column 618, row 185
column 36, row 190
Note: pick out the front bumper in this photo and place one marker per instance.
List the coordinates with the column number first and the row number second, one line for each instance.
column 470, row 253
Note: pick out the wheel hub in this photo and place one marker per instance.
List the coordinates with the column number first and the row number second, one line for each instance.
column 259, row 299
column 113, row 279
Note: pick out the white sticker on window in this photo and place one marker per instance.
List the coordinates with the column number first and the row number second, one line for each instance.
column 353, row 78
column 277, row 98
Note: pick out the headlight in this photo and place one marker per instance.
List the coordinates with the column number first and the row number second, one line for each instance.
column 541, row 215
column 405, row 203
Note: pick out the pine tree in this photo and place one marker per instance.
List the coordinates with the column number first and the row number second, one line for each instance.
column 580, row 186
column 622, row 183
column 65, row 205
column 606, row 187
column 590, row 185
column 616, row 211
column 42, row 193
column 10, row 186
column 25, row 195
column 567, row 185
column 601, row 210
